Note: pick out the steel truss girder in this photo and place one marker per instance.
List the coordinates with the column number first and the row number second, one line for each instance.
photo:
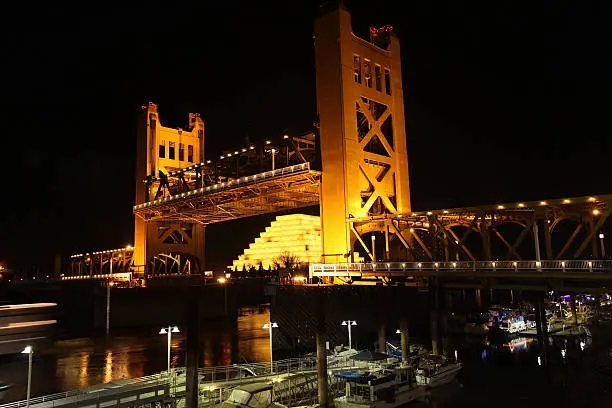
column 278, row 191
column 433, row 228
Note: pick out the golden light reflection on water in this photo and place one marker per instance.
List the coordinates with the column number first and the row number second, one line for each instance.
column 253, row 339
column 83, row 372
column 108, row 369
column 86, row 362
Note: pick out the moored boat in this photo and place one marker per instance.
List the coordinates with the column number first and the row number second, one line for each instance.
column 436, row 370
column 385, row 387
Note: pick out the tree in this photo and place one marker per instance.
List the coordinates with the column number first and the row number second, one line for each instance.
column 287, row 261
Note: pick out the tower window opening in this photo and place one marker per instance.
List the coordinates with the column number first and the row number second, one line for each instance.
column 367, row 73
column 388, row 82
column 181, row 152
column 190, row 153
column 377, row 77
column 200, row 133
column 162, row 149
column 357, row 68
column 171, row 150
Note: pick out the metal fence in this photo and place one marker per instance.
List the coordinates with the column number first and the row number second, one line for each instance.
column 81, row 395
column 478, row 266
column 207, row 377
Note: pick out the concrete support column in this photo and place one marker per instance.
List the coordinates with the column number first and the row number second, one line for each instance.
column 434, row 317
column 382, row 338
column 191, row 357
column 404, row 338
column 321, row 356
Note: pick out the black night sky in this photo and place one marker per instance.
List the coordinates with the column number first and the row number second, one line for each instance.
column 504, row 101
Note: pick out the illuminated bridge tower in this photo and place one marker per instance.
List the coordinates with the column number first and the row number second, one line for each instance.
column 160, row 151
column 363, row 138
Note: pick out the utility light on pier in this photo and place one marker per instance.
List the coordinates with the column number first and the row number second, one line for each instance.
column 348, row 324
column 269, row 326
column 169, row 330
column 29, row 351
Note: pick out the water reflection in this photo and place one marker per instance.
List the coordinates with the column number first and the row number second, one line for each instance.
column 85, row 362
column 518, row 344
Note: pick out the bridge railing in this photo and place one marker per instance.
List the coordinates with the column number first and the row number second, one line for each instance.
column 90, row 393
column 535, row 266
column 237, row 371
column 238, row 182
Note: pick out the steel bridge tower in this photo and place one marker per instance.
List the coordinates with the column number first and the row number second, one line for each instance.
column 363, row 137
column 161, row 150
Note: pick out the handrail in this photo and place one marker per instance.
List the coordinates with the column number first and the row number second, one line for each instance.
column 245, row 180
column 213, row 374
column 478, row 266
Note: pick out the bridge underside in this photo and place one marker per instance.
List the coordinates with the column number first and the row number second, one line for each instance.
column 273, row 191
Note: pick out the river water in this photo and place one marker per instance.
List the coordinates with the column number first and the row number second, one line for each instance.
column 512, row 372
column 77, row 363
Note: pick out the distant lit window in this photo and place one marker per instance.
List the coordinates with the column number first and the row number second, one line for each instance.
column 171, row 150
column 190, row 153
column 377, row 77
column 181, row 152
column 357, row 68
column 387, row 82
column 162, row 149
column 367, row 73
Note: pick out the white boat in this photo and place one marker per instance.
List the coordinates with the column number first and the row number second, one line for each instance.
column 383, row 388
column 516, row 324
column 436, row 370
column 258, row 395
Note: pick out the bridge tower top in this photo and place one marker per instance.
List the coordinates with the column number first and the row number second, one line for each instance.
column 363, row 138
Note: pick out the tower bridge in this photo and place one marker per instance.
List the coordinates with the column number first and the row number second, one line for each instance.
column 354, row 166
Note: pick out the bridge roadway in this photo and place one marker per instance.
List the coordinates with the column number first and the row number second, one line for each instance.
column 292, row 377
column 576, row 274
column 575, row 268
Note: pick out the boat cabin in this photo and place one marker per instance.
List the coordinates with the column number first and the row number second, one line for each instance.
column 258, row 395
column 366, row 388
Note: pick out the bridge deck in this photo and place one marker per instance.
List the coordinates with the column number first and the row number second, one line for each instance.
column 567, row 269
column 277, row 190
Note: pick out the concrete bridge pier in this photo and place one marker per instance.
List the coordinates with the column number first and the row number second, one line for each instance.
column 382, row 338
column 404, row 338
column 435, row 315
column 321, row 355
column 191, row 357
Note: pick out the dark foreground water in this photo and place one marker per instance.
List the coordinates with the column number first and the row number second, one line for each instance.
column 499, row 374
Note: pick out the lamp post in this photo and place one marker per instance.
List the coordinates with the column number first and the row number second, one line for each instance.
column 601, row 243
column 29, row 351
column 169, row 330
column 373, row 248
column 270, row 326
column 108, row 293
column 348, row 324
column 273, row 154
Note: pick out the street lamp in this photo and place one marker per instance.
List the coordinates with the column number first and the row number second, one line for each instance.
column 169, row 330
column 601, row 242
column 29, row 351
column 270, row 326
column 373, row 248
column 273, row 153
column 348, row 324
column 108, row 292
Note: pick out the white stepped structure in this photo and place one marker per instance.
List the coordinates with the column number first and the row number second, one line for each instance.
column 295, row 234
